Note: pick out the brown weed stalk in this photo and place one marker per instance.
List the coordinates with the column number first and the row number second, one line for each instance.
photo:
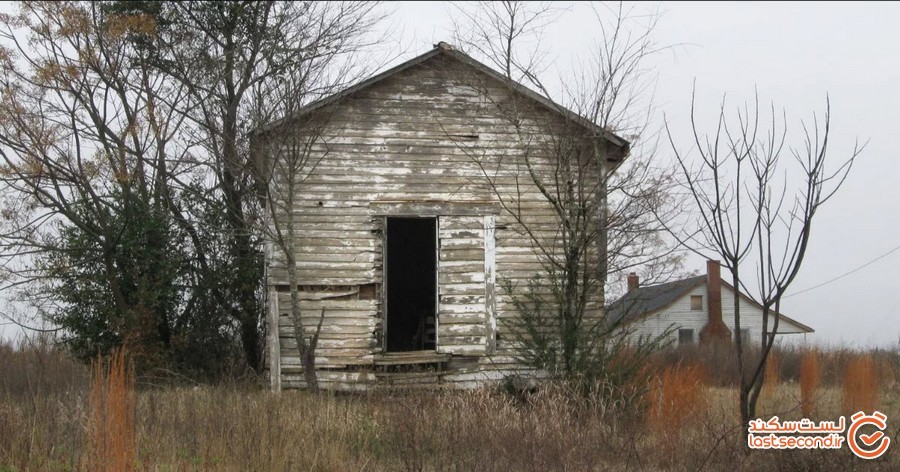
column 772, row 378
column 810, row 380
column 111, row 428
column 675, row 395
column 860, row 385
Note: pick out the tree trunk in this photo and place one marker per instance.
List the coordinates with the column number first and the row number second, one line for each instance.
column 602, row 223
column 744, row 401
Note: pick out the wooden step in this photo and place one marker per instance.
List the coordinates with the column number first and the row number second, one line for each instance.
column 411, row 357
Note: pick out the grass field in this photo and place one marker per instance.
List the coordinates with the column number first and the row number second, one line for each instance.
column 46, row 415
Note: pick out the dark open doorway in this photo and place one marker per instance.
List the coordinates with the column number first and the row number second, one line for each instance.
column 411, row 284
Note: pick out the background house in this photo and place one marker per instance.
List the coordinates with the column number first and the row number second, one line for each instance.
column 402, row 234
column 690, row 306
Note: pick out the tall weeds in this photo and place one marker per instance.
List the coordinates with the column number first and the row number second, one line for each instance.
column 111, row 428
column 61, row 424
column 860, row 385
column 675, row 396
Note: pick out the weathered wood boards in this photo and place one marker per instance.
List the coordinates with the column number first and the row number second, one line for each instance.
column 461, row 286
column 432, row 140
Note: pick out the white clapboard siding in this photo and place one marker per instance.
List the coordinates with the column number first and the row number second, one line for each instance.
column 347, row 334
column 679, row 315
column 462, row 327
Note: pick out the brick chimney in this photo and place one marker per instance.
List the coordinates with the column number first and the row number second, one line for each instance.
column 715, row 329
column 633, row 282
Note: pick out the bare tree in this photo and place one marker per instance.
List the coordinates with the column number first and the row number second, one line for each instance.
column 85, row 148
column 613, row 89
column 114, row 107
column 287, row 151
column 599, row 204
column 239, row 62
column 748, row 214
column 291, row 156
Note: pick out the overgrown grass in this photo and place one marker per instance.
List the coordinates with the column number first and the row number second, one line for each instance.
column 45, row 419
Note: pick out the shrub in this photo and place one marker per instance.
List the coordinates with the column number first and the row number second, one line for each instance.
column 574, row 345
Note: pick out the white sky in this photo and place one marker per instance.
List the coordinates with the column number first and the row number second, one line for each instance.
column 793, row 53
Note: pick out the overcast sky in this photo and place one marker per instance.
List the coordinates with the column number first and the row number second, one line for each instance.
column 794, row 54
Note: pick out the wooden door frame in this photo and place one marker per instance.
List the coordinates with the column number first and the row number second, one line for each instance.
column 384, row 275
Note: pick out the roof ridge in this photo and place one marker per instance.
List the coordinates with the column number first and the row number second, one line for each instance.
column 672, row 282
column 444, row 48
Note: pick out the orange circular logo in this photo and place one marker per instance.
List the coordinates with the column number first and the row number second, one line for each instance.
column 872, row 445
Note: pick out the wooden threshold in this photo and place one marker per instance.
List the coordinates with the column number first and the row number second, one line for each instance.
column 411, row 357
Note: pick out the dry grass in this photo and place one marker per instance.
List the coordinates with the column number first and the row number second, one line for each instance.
column 810, row 379
column 240, row 427
column 860, row 385
column 42, row 414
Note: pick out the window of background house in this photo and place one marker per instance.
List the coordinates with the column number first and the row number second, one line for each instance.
column 745, row 336
column 696, row 302
column 685, row 336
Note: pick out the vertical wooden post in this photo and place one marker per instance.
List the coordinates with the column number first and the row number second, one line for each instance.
column 274, row 342
column 490, row 276
column 437, row 283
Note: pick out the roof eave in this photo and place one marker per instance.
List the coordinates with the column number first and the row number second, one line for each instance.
column 638, row 316
column 338, row 96
column 623, row 146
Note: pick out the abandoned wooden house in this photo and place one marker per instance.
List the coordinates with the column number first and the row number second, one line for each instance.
column 404, row 223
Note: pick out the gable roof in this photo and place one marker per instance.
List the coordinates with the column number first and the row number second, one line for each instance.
column 447, row 50
column 646, row 300
column 643, row 300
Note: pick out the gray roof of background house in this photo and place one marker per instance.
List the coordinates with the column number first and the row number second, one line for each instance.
column 645, row 300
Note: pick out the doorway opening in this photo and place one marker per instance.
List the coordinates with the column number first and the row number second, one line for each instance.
column 411, row 266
